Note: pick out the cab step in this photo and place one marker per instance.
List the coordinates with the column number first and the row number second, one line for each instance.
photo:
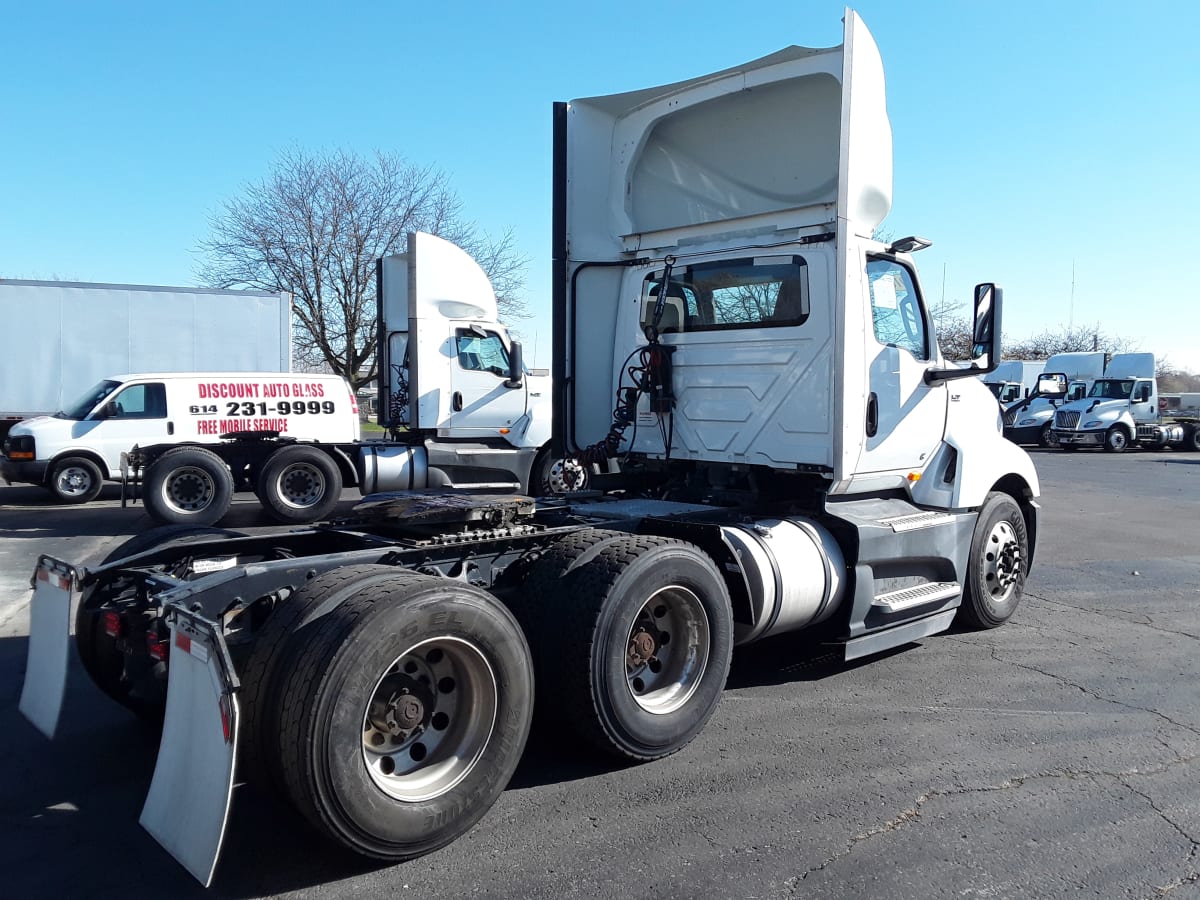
column 906, row 598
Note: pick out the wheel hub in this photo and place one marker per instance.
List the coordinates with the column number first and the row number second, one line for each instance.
column 1002, row 561
column 399, row 707
column 642, row 647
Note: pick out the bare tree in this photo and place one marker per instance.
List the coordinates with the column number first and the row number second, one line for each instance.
column 315, row 227
column 1078, row 338
column 954, row 333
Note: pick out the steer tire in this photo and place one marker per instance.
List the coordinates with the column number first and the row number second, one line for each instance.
column 299, row 484
column 404, row 714
column 188, row 486
column 610, row 620
column 1116, row 439
column 98, row 652
column 997, row 565
column 259, row 676
column 75, row 479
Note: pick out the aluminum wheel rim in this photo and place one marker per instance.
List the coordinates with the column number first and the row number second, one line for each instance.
column 1117, row 440
column 666, row 653
column 189, row 489
column 429, row 718
column 566, row 475
column 74, row 481
column 1001, row 561
column 300, row 485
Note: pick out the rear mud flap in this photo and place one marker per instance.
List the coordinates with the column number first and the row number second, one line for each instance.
column 188, row 803
column 49, row 643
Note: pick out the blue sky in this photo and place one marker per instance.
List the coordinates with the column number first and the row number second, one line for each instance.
column 1032, row 139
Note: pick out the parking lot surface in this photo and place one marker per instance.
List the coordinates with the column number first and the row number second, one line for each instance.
column 1053, row 757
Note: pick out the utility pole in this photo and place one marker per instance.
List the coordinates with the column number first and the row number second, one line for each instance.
column 1071, row 314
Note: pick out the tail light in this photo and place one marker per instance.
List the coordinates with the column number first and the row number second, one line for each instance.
column 157, row 646
column 114, row 625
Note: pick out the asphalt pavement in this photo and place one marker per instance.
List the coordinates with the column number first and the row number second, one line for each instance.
column 1053, row 757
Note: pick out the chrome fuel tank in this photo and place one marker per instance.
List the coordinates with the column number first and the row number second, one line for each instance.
column 794, row 570
column 392, row 468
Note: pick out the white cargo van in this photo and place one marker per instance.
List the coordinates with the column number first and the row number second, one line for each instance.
column 74, row 450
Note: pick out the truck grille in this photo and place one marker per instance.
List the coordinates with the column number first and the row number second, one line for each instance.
column 1066, row 420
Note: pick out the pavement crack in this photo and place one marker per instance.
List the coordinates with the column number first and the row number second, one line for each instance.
column 1191, row 876
column 1128, row 616
column 1090, row 692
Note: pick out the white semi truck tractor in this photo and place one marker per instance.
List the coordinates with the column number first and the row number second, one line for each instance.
column 780, row 447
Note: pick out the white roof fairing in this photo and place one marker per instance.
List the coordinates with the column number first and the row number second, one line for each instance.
column 779, row 142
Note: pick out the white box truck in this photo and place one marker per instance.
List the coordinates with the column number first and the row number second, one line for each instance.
column 1014, row 379
column 60, row 338
column 787, row 449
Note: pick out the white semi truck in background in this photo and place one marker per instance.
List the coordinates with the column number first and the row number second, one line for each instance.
column 1122, row 410
column 461, row 411
column 1014, row 379
column 60, row 338
column 1031, row 421
column 784, row 450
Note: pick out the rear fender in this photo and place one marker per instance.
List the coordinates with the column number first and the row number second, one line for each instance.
column 54, row 583
column 187, row 806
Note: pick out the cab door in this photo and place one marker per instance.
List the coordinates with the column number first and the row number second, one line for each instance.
column 905, row 417
column 482, row 400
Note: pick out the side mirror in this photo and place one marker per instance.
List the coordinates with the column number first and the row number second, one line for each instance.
column 986, row 331
column 516, row 366
column 1052, row 384
column 985, row 337
column 108, row 410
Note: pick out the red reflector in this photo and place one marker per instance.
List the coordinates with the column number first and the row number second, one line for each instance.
column 226, row 717
column 156, row 647
column 183, row 642
column 112, row 624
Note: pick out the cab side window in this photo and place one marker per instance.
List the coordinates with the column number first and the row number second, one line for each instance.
column 140, row 401
column 895, row 307
column 484, row 353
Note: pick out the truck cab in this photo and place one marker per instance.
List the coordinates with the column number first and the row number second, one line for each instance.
column 1117, row 405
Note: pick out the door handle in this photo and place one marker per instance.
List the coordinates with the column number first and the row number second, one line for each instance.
column 456, row 401
column 170, row 428
column 872, row 415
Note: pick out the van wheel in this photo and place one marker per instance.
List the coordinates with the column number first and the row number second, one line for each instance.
column 188, row 486
column 75, row 480
column 1116, row 439
column 299, row 484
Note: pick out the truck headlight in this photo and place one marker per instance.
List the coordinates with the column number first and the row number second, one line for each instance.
column 1027, row 422
column 1095, row 423
column 20, row 447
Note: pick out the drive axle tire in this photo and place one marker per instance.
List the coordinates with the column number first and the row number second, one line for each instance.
column 299, row 484
column 188, row 486
column 75, row 479
column 404, row 715
column 102, row 659
column 637, row 645
column 1116, row 439
column 997, row 565
column 259, row 673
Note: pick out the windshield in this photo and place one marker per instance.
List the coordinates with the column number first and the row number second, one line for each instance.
column 1112, row 389
column 85, row 404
